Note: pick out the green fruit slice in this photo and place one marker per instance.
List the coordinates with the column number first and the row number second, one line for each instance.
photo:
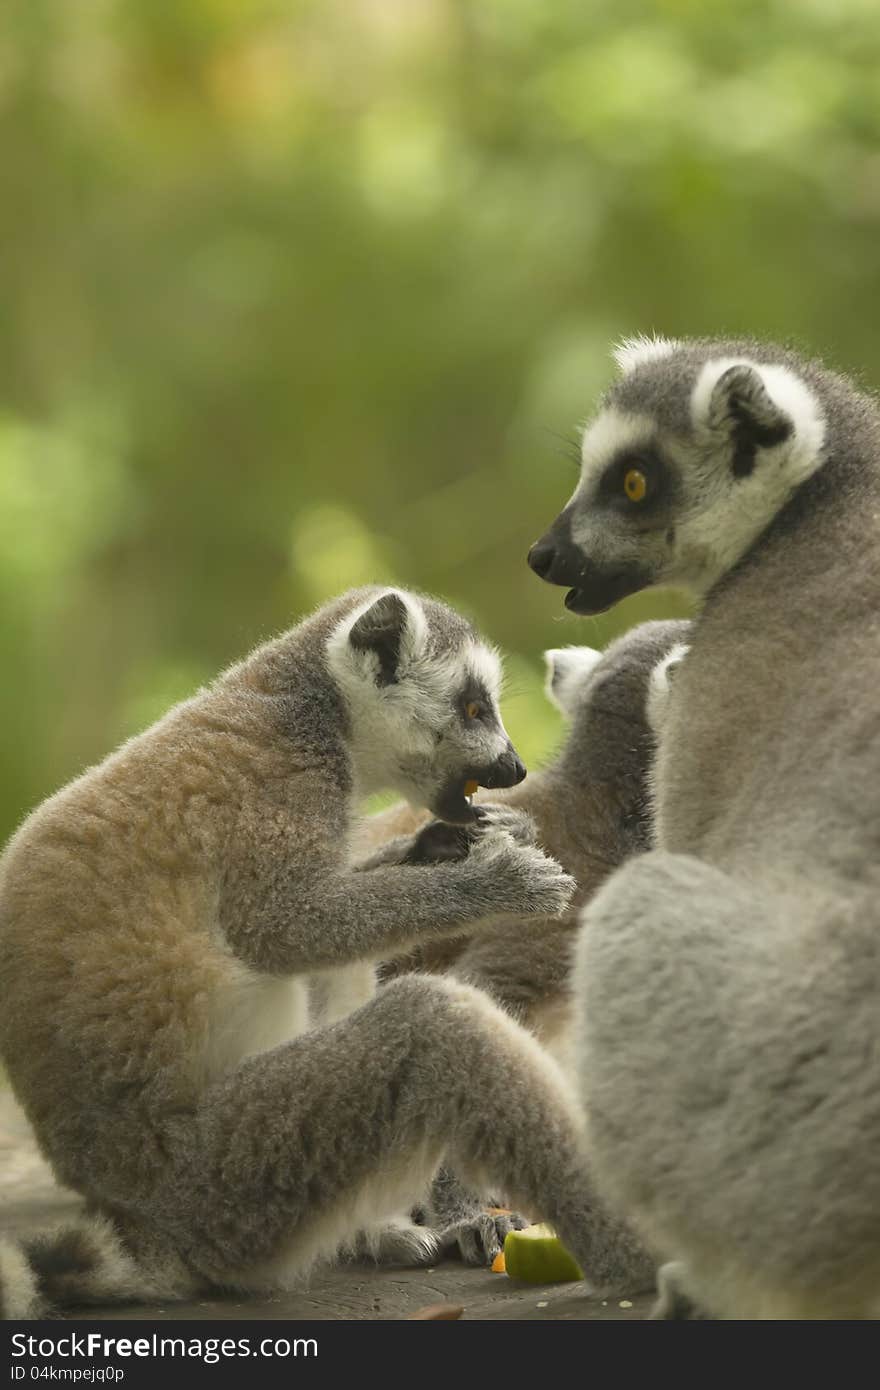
column 537, row 1256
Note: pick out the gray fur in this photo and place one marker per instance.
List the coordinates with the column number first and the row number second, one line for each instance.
column 731, row 979
column 590, row 809
column 162, row 920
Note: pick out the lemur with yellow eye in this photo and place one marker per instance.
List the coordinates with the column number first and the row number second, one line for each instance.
column 161, row 920
column 592, row 809
column 729, row 981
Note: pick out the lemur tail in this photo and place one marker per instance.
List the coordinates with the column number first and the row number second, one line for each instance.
column 84, row 1261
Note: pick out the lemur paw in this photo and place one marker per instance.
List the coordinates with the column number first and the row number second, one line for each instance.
column 521, row 878
column 519, row 825
column 479, row 1237
column 399, row 1243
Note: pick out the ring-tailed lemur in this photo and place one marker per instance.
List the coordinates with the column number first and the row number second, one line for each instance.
column 591, row 806
column 160, row 918
column 730, row 981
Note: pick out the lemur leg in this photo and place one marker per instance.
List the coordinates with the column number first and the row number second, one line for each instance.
column 457, row 1214
column 343, row 1128
column 712, row 1081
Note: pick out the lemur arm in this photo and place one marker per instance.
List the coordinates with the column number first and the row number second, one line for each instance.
column 294, row 913
column 394, row 852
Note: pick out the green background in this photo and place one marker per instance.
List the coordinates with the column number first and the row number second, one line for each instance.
column 298, row 295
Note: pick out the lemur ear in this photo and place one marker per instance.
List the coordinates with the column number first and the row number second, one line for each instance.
column 741, row 408
column 660, row 686
column 380, row 629
column 567, row 669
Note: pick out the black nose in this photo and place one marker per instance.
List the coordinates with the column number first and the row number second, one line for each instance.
column 541, row 557
column 508, row 771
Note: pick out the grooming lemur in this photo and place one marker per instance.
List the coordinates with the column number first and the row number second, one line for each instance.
column 730, row 980
column 160, row 919
column 591, row 807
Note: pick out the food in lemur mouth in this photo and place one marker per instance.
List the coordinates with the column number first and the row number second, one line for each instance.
column 470, row 788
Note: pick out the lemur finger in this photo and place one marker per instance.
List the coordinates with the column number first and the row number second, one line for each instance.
column 518, row 824
column 547, row 888
column 521, row 878
column 474, row 1239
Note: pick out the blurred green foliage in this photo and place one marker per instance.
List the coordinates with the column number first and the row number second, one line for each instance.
column 302, row 293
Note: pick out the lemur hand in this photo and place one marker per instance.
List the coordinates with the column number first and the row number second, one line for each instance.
column 441, row 843
column 519, row 825
column 518, row 878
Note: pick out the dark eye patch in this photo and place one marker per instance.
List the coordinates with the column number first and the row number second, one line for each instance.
column 660, row 489
column 475, row 695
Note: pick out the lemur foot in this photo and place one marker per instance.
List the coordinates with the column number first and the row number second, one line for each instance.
column 479, row 1237
column 399, row 1243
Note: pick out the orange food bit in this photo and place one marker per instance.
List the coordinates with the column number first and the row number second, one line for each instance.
column 470, row 788
column 499, row 1264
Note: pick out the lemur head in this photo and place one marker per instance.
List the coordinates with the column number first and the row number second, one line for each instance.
column 615, row 703
column 694, row 450
column 421, row 688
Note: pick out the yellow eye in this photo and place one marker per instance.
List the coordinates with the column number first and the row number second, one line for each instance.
column 473, row 710
column 635, row 484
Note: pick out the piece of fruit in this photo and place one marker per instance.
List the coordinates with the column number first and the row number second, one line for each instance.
column 499, row 1264
column 537, row 1256
column 470, row 788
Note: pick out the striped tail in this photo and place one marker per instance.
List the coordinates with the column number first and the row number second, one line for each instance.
column 81, row 1262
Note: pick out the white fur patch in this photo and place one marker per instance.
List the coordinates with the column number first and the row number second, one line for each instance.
column 633, row 352
column 610, row 432
column 334, row 994
column 414, row 636
column 567, row 670
column 386, row 721
column 484, row 664
column 252, row 1013
column 789, row 393
column 660, row 687
column 728, row 514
